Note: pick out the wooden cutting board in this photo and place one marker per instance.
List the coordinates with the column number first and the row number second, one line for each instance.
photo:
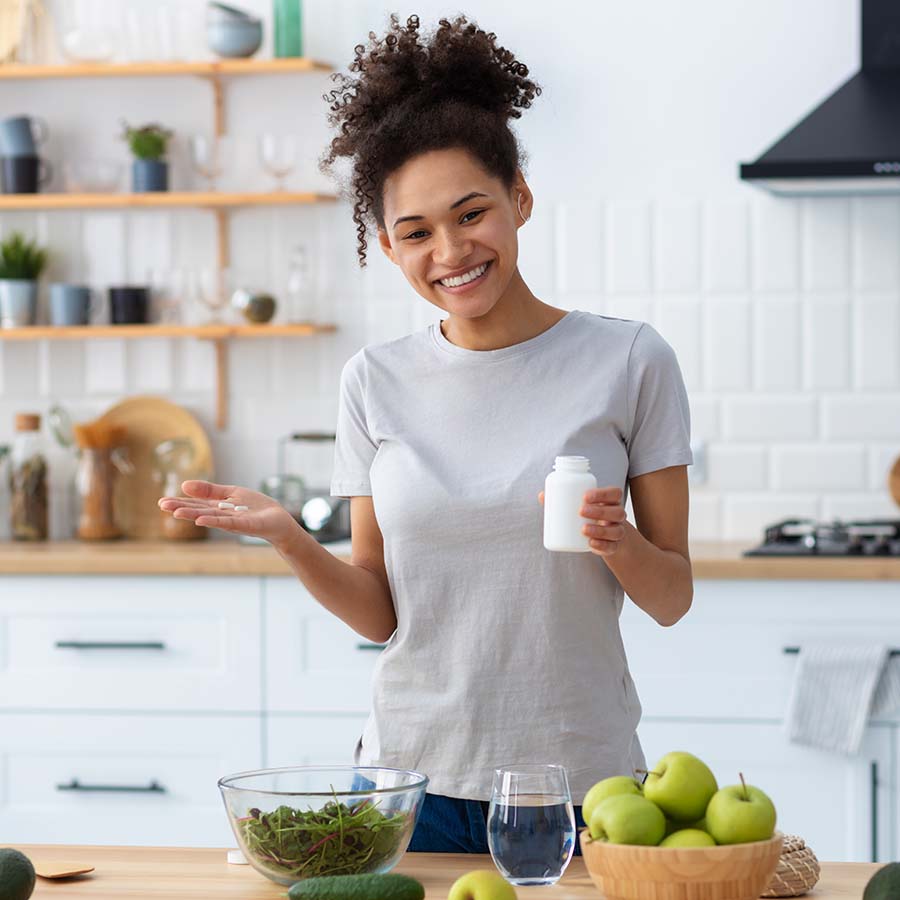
column 166, row 873
column 147, row 422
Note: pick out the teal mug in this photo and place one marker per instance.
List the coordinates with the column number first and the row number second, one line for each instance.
column 70, row 304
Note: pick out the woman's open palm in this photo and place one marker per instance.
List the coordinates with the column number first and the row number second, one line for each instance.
column 217, row 506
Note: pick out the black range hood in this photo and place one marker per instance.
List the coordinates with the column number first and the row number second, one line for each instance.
column 850, row 143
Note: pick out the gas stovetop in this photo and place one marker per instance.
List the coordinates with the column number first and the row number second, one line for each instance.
column 805, row 537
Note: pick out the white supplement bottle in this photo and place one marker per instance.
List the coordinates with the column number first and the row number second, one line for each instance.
column 563, row 498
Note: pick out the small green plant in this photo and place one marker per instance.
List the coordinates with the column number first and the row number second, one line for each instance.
column 148, row 141
column 21, row 260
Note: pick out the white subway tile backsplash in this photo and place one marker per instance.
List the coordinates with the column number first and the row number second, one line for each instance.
column 705, row 517
column 769, row 417
column 537, row 240
column 103, row 248
column 737, row 467
column 150, row 368
column 105, row 366
column 861, row 416
column 638, row 309
column 726, row 344
column 195, row 367
column 775, row 243
column 876, row 336
column 812, row 467
column 826, row 244
column 881, row 459
column 826, row 333
column 726, row 247
column 629, row 248
column 61, row 368
column 20, row 369
column 679, row 322
column 876, row 243
column 776, row 343
column 859, row 506
column 746, row 515
column 705, row 417
column 580, row 248
column 676, row 247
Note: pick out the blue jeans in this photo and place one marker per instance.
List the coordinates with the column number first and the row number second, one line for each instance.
column 452, row 825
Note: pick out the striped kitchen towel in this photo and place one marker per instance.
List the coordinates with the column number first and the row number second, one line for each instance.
column 833, row 693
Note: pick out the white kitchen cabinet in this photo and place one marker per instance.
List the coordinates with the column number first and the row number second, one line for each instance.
column 313, row 661
column 726, row 658
column 841, row 806
column 312, row 740
column 154, row 643
column 121, row 779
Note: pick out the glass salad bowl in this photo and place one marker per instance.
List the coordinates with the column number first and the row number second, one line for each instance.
column 302, row 821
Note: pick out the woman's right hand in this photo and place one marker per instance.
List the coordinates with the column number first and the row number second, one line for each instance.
column 264, row 517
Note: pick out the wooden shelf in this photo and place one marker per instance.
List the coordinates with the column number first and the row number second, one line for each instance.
column 205, row 332
column 209, row 68
column 159, row 200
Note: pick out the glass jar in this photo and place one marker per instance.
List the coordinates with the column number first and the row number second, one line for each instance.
column 28, row 481
column 95, row 483
column 174, row 460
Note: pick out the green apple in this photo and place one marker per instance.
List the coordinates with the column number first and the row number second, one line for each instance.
column 688, row 837
column 628, row 819
column 482, row 884
column 740, row 814
column 681, row 786
column 609, row 787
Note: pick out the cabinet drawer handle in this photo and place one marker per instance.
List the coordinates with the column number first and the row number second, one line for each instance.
column 110, row 645
column 370, row 646
column 873, row 787
column 74, row 785
column 795, row 650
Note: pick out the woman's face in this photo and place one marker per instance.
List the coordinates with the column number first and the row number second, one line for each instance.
column 452, row 229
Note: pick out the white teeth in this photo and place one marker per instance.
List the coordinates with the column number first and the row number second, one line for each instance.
column 465, row 279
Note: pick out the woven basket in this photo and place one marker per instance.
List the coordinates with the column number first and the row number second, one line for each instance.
column 797, row 872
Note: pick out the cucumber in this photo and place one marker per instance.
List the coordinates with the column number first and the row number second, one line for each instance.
column 358, row 887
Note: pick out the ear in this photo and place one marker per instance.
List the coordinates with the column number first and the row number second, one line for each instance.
column 385, row 243
column 520, row 188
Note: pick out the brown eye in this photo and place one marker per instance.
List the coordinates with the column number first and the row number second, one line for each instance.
column 473, row 213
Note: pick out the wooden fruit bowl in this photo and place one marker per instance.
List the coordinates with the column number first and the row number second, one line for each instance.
column 628, row 872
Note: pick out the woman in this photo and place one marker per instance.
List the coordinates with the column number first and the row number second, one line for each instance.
column 498, row 651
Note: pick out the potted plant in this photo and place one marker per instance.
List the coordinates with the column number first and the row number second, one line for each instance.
column 21, row 264
column 149, row 171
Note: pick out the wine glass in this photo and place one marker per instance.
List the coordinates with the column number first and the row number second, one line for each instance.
column 208, row 287
column 531, row 823
column 278, row 155
column 210, row 155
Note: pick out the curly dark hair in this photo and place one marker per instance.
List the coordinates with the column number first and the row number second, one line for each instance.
column 407, row 95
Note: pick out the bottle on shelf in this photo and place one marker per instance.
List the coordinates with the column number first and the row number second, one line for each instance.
column 28, row 481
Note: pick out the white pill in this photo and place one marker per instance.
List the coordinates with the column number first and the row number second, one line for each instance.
column 241, row 508
column 236, row 858
column 224, row 504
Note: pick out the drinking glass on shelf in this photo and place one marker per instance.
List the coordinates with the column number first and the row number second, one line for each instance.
column 210, row 155
column 531, row 823
column 278, row 155
column 211, row 289
column 168, row 290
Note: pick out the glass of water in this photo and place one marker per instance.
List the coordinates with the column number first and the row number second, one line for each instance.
column 531, row 823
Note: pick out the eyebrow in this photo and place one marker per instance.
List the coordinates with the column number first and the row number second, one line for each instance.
column 459, row 202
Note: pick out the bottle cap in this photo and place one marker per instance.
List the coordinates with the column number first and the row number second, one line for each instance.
column 573, row 463
column 28, row 422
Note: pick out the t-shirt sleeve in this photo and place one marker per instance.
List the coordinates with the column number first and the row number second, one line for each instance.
column 354, row 447
column 659, row 413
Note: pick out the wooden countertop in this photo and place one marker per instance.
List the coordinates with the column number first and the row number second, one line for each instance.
column 186, row 874
column 230, row 557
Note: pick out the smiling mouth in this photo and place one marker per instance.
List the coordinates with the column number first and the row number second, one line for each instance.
column 475, row 274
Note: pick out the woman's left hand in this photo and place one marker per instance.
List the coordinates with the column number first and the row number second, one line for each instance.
column 607, row 530
column 604, row 507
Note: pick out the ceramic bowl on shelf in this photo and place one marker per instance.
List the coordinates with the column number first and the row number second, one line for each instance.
column 92, row 176
column 732, row 872
column 234, row 38
column 297, row 822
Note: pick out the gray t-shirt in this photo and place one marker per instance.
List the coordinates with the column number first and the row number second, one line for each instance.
column 504, row 652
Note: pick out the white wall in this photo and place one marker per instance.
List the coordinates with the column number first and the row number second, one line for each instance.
column 785, row 314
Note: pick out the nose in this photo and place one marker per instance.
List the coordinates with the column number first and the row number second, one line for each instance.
column 451, row 248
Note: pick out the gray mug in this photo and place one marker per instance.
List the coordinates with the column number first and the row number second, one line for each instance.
column 22, row 135
column 70, row 304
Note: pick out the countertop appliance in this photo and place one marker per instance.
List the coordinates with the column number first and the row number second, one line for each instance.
column 850, row 143
column 806, row 537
